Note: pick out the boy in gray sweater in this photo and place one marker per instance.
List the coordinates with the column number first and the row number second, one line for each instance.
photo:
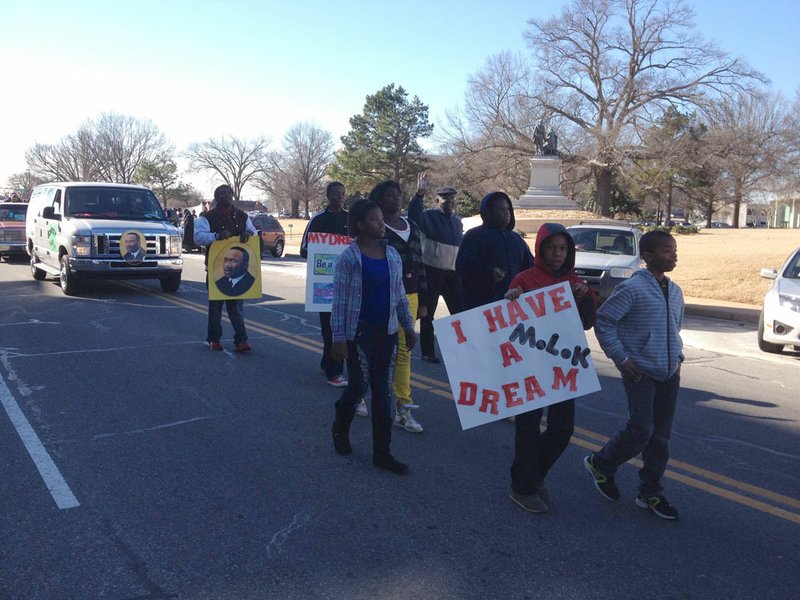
column 638, row 327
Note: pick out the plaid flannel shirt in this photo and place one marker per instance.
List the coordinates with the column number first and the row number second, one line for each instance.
column 347, row 294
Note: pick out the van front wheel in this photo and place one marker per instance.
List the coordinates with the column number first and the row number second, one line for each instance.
column 171, row 284
column 69, row 283
column 37, row 273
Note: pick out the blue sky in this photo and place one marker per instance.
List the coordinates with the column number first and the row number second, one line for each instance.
column 245, row 67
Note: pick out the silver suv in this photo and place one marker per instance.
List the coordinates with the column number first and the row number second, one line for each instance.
column 606, row 254
column 78, row 231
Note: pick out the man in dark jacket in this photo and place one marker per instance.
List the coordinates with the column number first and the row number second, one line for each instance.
column 220, row 223
column 331, row 220
column 491, row 254
column 442, row 233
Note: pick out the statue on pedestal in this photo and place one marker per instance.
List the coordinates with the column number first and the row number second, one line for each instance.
column 539, row 139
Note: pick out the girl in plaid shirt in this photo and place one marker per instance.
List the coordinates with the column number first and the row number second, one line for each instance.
column 369, row 305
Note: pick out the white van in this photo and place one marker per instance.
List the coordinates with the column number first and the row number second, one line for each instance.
column 78, row 231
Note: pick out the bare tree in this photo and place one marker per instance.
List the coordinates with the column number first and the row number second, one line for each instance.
column 70, row 159
column 601, row 69
column 297, row 172
column 121, row 143
column 752, row 142
column 23, row 183
column 235, row 160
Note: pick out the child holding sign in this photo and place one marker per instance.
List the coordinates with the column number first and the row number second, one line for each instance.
column 368, row 303
column 534, row 454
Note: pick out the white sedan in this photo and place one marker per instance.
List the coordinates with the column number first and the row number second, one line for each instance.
column 779, row 324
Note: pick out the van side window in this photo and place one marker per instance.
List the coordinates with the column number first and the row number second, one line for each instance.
column 57, row 203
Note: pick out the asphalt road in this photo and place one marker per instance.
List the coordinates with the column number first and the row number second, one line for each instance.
column 137, row 463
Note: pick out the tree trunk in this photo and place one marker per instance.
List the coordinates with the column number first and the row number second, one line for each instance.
column 295, row 209
column 668, row 209
column 737, row 201
column 602, row 181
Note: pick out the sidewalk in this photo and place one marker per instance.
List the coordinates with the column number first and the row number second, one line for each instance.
column 720, row 309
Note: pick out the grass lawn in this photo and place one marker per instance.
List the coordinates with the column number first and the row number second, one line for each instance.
column 723, row 264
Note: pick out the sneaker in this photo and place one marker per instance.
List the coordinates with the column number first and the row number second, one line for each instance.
column 215, row 345
column 390, row 463
column 242, row 347
column 532, row 503
column 361, row 409
column 403, row 418
column 431, row 358
column 604, row 483
column 544, row 494
column 338, row 381
column 657, row 505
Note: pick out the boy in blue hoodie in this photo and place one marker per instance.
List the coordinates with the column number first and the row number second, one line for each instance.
column 491, row 254
column 638, row 327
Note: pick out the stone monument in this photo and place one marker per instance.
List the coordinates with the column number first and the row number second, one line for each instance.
column 544, row 189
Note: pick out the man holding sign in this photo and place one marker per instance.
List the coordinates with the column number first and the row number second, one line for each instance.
column 332, row 220
column 534, row 454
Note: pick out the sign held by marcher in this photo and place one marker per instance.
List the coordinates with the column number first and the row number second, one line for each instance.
column 513, row 356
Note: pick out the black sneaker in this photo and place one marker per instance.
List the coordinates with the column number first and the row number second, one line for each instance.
column 657, row 505
column 604, row 483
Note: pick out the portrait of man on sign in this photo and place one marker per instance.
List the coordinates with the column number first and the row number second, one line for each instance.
column 232, row 274
column 132, row 247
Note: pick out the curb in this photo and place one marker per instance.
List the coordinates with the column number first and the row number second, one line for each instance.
column 730, row 313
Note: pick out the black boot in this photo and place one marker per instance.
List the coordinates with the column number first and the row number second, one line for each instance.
column 381, row 439
column 341, row 430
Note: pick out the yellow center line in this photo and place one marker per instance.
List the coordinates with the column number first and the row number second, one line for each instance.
column 432, row 385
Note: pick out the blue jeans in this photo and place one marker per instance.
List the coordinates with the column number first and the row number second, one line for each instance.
column 651, row 408
column 235, row 314
column 370, row 358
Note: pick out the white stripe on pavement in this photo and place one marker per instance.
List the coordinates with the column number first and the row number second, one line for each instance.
column 55, row 483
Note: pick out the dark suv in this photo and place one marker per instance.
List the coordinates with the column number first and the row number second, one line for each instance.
column 270, row 231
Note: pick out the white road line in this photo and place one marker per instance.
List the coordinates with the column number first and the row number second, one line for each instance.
column 55, row 483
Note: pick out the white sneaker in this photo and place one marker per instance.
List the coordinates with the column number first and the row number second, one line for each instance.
column 361, row 409
column 403, row 418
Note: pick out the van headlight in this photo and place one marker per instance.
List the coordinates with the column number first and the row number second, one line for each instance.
column 82, row 245
column 174, row 245
column 620, row 272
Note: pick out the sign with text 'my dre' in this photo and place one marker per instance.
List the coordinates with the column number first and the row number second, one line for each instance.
column 323, row 250
column 510, row 357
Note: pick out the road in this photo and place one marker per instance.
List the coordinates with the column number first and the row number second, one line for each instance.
column 139, row 464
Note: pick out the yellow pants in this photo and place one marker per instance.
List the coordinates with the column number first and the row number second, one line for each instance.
column 402, row 372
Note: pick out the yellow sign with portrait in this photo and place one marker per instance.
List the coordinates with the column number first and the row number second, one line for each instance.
column 234, row 269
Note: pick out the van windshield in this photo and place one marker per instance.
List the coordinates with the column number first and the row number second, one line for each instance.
column 113, row 203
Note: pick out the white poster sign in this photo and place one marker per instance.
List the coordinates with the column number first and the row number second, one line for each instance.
column 323, row 250
column 510, row 357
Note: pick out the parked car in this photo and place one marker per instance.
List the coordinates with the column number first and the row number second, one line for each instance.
column 779, row 323
column 78, row 231
column 606, row 254
column 270, row 230
column 12, row 228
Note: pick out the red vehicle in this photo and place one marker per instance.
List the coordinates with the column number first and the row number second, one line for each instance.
column 12, row 229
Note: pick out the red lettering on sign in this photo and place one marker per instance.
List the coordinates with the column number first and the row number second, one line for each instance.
column 536, row 302
column 468, row 393
column 509, row 353
column 559, row 379
column 559, row 302
column 314, row 237
column 532, row 388
column 460, row 337
column 515, row 313
column 495, row 319
column 489, row 401
column 510, row 392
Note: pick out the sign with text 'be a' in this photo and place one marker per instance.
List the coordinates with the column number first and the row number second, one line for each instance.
column 511, row 357
column 323, row 250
